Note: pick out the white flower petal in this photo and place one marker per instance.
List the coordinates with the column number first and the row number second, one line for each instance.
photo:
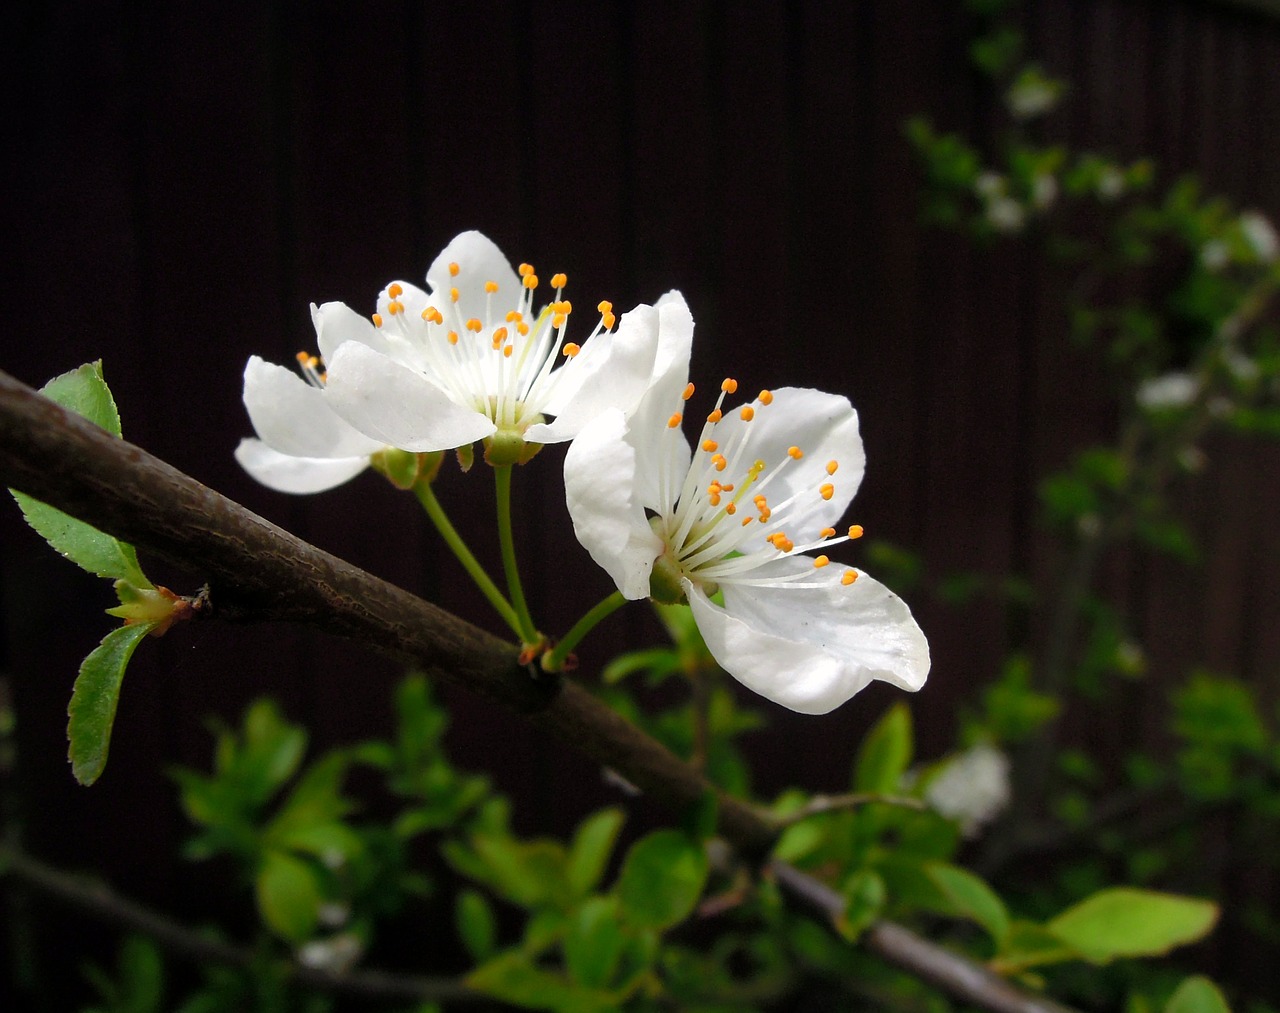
column 825, row 428
column 811, row 649
column 599, row 481
column 286, row 473
column 612, row 371
column 391, row 403
column 293, row 417
column 413, row 299
column 337, row 322
column 479, row 260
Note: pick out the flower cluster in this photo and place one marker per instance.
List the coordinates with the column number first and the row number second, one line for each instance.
column 726, row 525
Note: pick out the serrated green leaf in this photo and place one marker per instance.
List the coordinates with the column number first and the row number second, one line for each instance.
column 885, row 753
column 83, row 544
column 971, row 898
column 662, row 878
column 84, row 392
column 288, row 895
column 594, row 943
column 1197, row 995
column 92, row 710
column 477, row 927
column 1124, row 922
column 589, row 852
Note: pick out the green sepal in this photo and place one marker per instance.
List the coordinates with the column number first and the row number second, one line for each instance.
column 92, row 710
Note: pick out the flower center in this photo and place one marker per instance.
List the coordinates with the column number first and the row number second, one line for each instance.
column 501, row 364
column 721, row 524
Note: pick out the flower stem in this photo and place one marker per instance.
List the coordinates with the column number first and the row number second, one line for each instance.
column 526, row 628
column 554, row 660
column 469, row 562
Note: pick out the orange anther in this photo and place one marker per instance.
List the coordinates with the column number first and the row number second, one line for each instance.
column 718, row 462
column 855, row 530
column 848, row 577
column 531, row 281
column 377, row 320
column 715, row 416
column 491, row 287
column 832, row 466
column 558, row 320
column 302, row 358
column 513, row 316
column 395, row 306
column 827, row 491
column 432, row 314
column 475, row 325
column 506, row 351
column 566, row 307
column 526, row 270
column 747, row 413
column 608, row 319
column 394, row 290
column 523, row 328
column 747, row 520
column 453, row 337
column 571, row 349
column 827, row 533
column 453, row 295
column 731, row 507
column 500, row 335
column 820, row 562
column 674, row 421
column 766, row 397
column 710, row 446
column 453, row 270
column 688, row 392
column 729, row 386
column 558, row 280
column 795, row 453
column 604, row 307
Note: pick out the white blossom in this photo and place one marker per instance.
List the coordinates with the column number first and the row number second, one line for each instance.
column 972, row 788
column 475, row 359
column 1168, row 390
column 764, row 484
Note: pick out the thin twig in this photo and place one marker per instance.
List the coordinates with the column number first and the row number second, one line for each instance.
column 257, row 571
column 99, row 900
column 853, row 800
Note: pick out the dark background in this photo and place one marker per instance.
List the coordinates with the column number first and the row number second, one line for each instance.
column 179, row 181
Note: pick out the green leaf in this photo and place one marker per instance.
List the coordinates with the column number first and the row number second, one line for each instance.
column 84, row 392
column 288, row 896
column 1124, row 922
column 1030, row 945
column 1197, row 995
column 477, row 927
column 594, row 943
column 864, row 899
column 513, row 978
column 971, row 898
column 589, row 852
column 662, row 879
column 92, row 710
column 885, row 753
